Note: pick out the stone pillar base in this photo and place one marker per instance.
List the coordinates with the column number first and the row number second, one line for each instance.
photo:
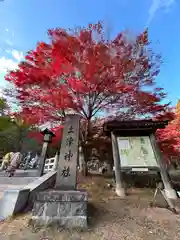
column 67, row 209
column 170, row 193
column 120, row 192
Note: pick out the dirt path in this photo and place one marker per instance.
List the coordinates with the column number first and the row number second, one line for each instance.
column 109, row 218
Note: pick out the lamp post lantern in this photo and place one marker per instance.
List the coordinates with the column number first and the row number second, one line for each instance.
column 48, row 135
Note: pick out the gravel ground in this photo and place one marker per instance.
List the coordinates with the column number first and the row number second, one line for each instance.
column 109, row 218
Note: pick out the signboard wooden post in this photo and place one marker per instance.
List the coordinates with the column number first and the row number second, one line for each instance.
column 119, row 183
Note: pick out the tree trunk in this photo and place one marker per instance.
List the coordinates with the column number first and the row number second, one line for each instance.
column 82, row 162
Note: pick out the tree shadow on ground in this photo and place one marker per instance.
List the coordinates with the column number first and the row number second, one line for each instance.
column 95, row 214
column 92, row 213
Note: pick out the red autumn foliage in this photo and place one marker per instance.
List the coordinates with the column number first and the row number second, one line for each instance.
column 55, row 140
column 82, row 72
column 169, row 138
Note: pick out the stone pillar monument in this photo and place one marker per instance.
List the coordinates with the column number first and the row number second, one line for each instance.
column 64, row 205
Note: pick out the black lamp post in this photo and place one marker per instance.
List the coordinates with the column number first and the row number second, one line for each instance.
column 48, row 135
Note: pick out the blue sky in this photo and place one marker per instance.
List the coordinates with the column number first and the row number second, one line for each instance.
column 23, row 23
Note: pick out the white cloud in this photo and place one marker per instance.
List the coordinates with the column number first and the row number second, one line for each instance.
column 17, row 55
column 7, row 64
column 7, row 30
column 157, row 5
column 9, row 42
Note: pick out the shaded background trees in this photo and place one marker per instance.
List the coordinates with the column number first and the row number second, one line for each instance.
column 14, row 132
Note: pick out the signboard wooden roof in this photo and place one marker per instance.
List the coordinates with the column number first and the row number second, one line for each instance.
column 132, row 125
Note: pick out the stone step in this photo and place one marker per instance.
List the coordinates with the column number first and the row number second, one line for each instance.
column 14, row 183
column 20, row 179
column 21, row 173
column 16, row 180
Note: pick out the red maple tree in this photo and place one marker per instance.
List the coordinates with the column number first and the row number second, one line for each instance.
column 55, row 140
column 169, row 137
column 82, row 72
